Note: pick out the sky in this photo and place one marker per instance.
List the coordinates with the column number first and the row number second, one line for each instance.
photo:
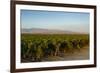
column 60, row 20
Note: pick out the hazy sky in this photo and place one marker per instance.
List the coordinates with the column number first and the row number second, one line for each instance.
column 71, row 21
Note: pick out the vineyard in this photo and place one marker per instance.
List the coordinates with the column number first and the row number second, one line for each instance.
column 49, row 47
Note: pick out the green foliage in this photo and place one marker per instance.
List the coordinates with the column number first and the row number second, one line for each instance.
column 38, row 46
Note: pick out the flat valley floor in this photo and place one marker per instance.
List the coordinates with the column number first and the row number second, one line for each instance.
column 40, row 48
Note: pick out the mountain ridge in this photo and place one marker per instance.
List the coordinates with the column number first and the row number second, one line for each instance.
column 46, row 31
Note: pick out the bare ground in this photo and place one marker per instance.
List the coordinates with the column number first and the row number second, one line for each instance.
column 75, row 54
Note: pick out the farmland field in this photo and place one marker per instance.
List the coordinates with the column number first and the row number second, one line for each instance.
column 54, row 47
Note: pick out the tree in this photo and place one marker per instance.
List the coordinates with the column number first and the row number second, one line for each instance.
column 24, row 47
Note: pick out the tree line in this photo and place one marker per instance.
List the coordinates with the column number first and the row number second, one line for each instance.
column 36, row 50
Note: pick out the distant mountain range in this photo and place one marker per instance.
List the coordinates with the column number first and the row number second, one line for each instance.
column 46, row 31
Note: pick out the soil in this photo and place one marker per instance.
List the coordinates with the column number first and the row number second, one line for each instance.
column 75, row 54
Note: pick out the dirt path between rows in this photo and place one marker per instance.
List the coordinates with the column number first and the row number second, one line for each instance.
column 77, row 54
